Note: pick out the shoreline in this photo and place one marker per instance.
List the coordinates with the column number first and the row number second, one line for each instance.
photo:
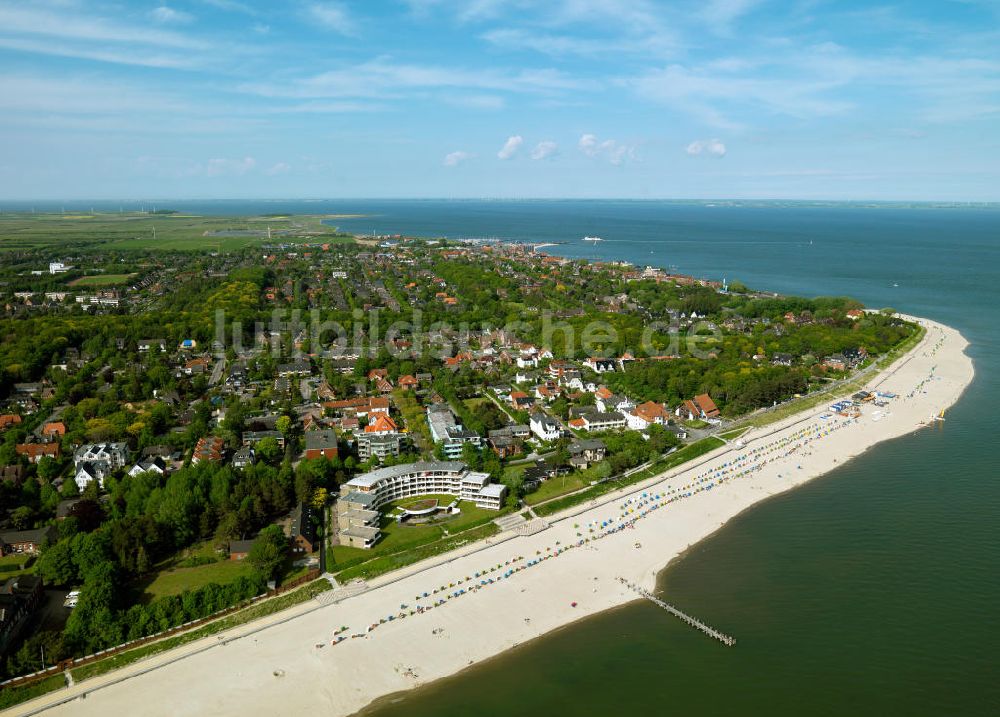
column 563, row 584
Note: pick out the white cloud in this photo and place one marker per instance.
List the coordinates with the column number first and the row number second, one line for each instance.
column 382, row 78
column 238, row 167
column 511, row 146
column 721, row 14
column 707, row 147
column 613, row 150
column 231, row 5
column 476, row 101
column 16, row 20
column 125, row 56
column 332, row 15
column 167, row 15
column 543, row 149
column 453, row 159
column 279, row 168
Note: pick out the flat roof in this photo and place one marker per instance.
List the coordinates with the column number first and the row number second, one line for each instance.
column 374, row 477
column 360, row 514
column 476, row 477
column 362, row 532
column 493, row 490
column 357, row 497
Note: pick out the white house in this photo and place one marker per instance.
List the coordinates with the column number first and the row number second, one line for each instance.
column 600, row 365
column 614, row 402
column 647, row 414
column 545, row 427
column 87, row 473
column 155, row 465
column 57, row 267
column 602, row 421
column 114, row 454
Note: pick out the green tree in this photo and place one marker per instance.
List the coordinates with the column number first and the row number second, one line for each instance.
column 55, row 566
column 268, row 552
column 268, row 450
column 21, row 518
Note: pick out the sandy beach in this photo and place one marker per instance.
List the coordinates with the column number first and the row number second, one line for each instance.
column 468, row 606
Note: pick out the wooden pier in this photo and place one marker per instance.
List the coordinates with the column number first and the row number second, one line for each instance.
column 676, row 612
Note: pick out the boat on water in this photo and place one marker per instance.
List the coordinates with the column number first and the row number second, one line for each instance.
column 592, row 239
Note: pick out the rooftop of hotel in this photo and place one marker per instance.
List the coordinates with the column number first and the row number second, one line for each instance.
column 374, row 477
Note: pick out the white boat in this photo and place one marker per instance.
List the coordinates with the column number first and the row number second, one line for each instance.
column 592, row 239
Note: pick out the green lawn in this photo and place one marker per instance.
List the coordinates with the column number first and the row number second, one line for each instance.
column 134, row 232
column 101, row 280
column 735, row 433
column 175, row 580
column 557, row 486
column 399, row 537
column 11, row 696
column 381, row 564
column 14, row 565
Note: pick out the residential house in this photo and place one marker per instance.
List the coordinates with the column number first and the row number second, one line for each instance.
column 321, row 444
column 209, row 449
column 19, row 599
column 54, row 429
column 153, row 465
column 298, row 367
column 585, row 453
column 545, row 427
column 596, row 421
column 647, row 414
column 243, row 458
column 600, row 365
column 34, row 452
column 239, row 549
column 701, row 407
column 448, row 432
column 252, row 438
column 836, row 362
column 300, row 530
column 521, row 401
column 28, row 542
column 149, row 344
column 613, row 402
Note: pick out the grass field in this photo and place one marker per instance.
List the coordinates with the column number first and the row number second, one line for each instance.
column 382, row 564
column 174, row 581
column 141, row 232
column 557, row 486
column 101, row 280
column 735, row 433
column 14, row 565
column 399, row 537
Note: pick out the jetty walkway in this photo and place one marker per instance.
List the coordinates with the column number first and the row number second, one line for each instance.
column 678, row 613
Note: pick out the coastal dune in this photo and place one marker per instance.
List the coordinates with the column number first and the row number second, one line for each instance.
column 527, row 585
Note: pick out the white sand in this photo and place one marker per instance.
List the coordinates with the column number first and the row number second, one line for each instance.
column 236, row 676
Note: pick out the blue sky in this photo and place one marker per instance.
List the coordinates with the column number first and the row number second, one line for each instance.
column 500, row 98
